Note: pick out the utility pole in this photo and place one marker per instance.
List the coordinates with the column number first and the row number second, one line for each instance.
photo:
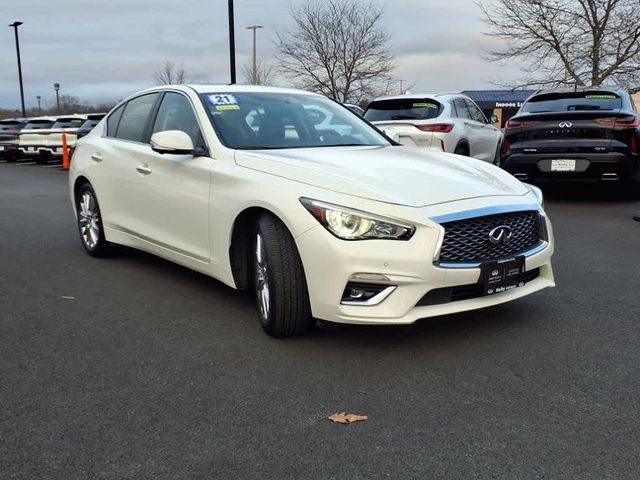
column 15, row 26
column 56, row 86
column 232, row 44
column 38, row 97
column 401, row 90
column 254, row 75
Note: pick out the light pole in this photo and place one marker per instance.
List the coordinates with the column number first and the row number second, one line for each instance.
column 15, row 26
column 254, row 75
column 401, row 91
column 38, row 97
column 56, row 87
column 232, row 44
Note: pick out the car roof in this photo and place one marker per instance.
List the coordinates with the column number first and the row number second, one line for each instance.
column 417, row 96
column 235, row 88
column 581, row 89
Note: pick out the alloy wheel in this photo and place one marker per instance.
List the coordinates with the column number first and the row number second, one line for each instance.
column 89, row 220
column 263, row 290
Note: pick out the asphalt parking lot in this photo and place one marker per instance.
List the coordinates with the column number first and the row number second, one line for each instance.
column 135, row 368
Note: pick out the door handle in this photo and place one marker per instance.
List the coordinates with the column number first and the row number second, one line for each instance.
column 143, row 169
column 96, row 157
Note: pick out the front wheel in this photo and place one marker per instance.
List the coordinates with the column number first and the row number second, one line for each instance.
column 280, row 283
column 90, row 223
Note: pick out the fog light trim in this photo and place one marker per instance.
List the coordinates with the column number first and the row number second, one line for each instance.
column 363, row 294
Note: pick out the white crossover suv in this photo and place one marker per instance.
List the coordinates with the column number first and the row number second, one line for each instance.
column 238, row 182
column 445, row 122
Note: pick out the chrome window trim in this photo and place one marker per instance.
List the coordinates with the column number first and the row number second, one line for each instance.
column 482, row 212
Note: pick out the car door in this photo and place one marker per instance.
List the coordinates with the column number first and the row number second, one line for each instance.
column 172, row 201
column 484, row 143
column 115, row 156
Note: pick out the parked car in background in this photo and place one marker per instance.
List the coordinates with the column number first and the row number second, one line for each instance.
column 591, row 133
column 354, row 108
column 68, row 125
column 252, row 185
column 10, row 138
column 33, row 136
column 445, row 122
column 92, row 120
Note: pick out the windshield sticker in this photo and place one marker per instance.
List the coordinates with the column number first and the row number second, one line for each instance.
column 600, row 97
column 425, row 105
column 222, row 99
column 76, row 121
column 227, row 107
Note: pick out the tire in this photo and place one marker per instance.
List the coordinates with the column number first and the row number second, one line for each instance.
column 41, row 159
column 90, row 224
column 462, row 149
column 280, row 285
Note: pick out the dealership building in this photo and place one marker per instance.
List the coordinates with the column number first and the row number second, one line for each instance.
column 502, row 103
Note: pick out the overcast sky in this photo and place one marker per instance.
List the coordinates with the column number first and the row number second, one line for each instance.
column 102, row 50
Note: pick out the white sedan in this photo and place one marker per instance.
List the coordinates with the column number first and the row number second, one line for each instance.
column 342, row 226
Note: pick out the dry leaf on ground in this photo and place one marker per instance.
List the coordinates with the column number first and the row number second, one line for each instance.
column 345, row 417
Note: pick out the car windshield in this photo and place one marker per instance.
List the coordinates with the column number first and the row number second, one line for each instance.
column 273, row 120
column 572, row 101
column 403, row 109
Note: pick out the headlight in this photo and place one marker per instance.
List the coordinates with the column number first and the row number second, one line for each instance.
column 537, row 192
column 350, row 224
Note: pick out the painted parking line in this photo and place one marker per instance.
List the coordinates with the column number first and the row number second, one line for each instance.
column 3, row 161
column 26, row 163
column 55, row 165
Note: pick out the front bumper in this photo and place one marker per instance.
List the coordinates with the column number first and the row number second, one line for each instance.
column 330, row 264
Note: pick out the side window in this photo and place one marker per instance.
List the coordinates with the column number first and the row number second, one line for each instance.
column 454, row 110
column 134, row 118
column 476, row 113
column 176, row 113
column 113, row 120
column 461, row 108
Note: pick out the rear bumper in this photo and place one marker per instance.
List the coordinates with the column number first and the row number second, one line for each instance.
column 588, row 166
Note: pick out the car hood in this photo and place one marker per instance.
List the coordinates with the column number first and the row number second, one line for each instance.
column 398, row 175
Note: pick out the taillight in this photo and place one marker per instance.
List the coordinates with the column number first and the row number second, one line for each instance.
column 505, row 146
column 620, row 122
column 436, row 127
column 512, row 124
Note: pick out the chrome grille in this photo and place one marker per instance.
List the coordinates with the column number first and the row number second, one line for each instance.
column 467, row 241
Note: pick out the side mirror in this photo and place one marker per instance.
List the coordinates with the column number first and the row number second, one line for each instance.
column 493, row 119
column 175, row 142
column 392, row 134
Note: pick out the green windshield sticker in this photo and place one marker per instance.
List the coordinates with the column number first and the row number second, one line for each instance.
column 227, row 107
column 600, row 97
column 76, row 121
column 425, row 105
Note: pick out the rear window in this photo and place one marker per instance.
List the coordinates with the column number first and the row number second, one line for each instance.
column 68, row 123
column 403, row 109
column 38, row 125
column 10, row 125
column 573, row 101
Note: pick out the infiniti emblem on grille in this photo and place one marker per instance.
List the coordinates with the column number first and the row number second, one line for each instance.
column 565, row 124
column 500, row 235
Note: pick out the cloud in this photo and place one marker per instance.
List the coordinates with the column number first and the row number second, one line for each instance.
column 101, row 50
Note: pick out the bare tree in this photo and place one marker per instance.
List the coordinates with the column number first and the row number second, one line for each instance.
column 568, row 42
column 338, row 48
column 169, row 74
column 264, row 74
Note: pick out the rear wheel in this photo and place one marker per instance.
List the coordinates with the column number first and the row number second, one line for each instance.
column 90, row 223
column 280, row 284
column 462, row 149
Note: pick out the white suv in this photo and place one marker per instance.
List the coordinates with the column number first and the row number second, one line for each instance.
column 445, row 122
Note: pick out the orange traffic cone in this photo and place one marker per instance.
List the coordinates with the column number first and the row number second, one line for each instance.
column 66, row 161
